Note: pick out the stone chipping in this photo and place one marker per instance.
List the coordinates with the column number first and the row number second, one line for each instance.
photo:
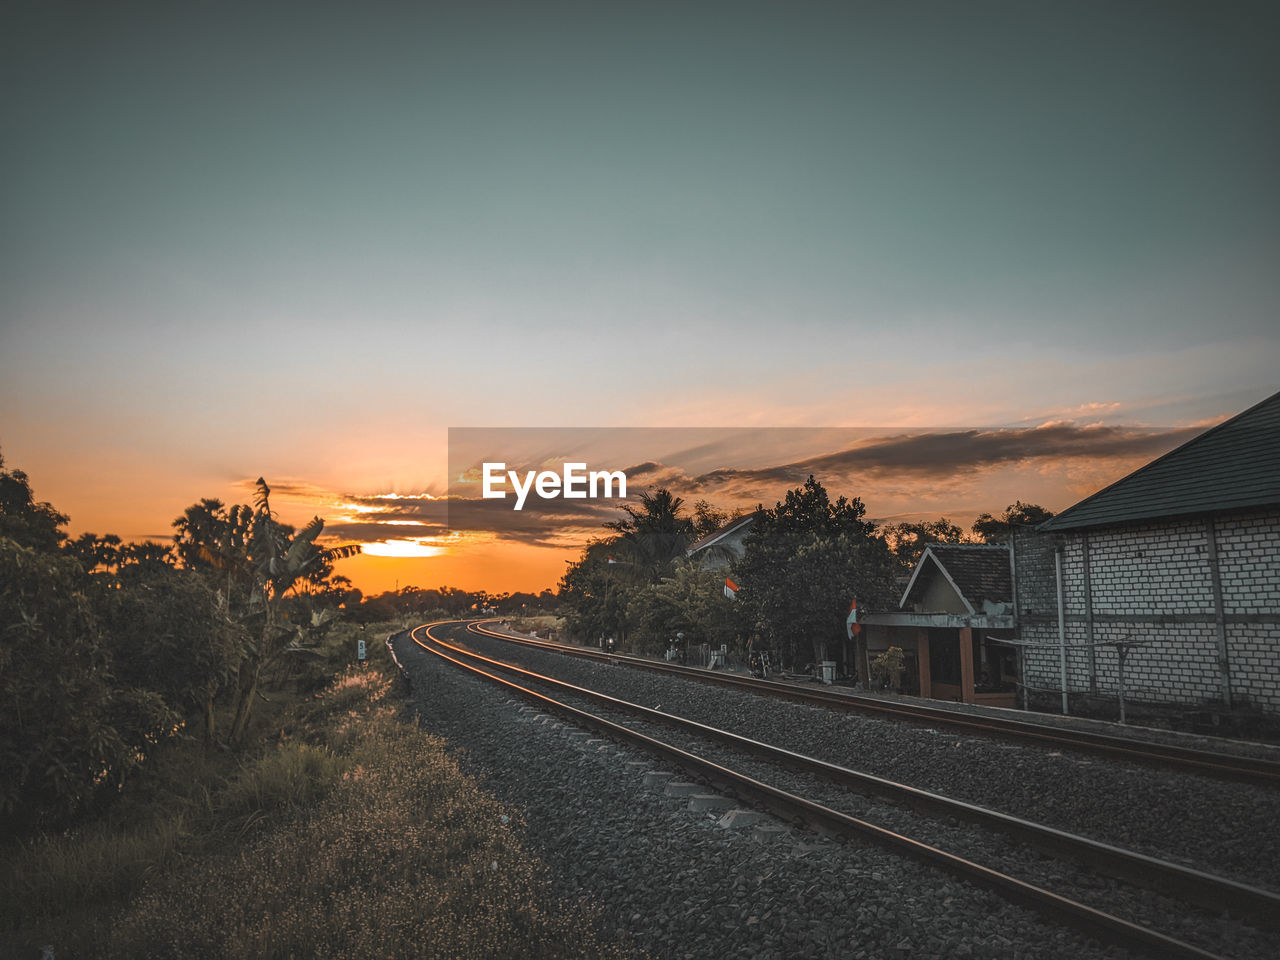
column 677, row 884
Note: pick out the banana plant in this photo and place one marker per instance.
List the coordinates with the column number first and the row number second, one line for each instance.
column 280, row 559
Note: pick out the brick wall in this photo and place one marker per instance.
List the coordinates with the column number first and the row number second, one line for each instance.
column 1249, row 562
column 1153, row 582
column 1253, row 651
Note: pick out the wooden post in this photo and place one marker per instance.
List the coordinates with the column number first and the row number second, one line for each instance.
column 966, row 664
column 922, row 659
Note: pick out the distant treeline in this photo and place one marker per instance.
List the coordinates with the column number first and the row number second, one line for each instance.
column 442, row 602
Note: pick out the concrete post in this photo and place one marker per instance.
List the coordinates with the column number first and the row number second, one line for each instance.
column 1088, row 615
column 1062, row 630
column 1219, row 614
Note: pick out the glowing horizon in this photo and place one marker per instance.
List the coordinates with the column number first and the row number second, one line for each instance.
column 900, row 473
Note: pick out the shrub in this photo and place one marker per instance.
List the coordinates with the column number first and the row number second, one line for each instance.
column 292, row 775
column 887, row 669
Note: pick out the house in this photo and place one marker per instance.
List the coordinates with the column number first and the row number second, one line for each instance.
column 1177, row 565
column 953, row 615
column 717, row 550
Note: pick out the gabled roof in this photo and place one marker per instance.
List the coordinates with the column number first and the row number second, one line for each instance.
column 977, row 571
column 711, row 539
column 1233, row 466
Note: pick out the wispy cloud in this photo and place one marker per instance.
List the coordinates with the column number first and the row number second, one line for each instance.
column 886, row 465
column 891, row 464
column 935, row 456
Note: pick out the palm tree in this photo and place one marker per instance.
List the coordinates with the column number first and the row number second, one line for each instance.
column 655, row 535
column 215, row 539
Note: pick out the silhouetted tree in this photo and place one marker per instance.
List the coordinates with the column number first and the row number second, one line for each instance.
column 805, row 560
column 72, row 729
column 596, row 589
column 214, row 540
column 707, row 519
column 655, row 534
column 690, row 601
column 169, row 633
column 22, row 518
column 909, row 539
column 279, row 559
column 999, row 529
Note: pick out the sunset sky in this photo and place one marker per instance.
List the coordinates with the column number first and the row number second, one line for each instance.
column 303, row 241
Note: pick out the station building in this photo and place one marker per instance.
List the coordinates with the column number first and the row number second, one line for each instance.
column 953, row 615
column 1177, row 565
column 1175, row 568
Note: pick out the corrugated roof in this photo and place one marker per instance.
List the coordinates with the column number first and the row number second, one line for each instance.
column 1233, row 466
column 717, row 535
column 979, row 571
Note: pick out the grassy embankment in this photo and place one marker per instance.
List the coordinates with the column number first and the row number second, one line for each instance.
column 545, row 626
column 344, row 832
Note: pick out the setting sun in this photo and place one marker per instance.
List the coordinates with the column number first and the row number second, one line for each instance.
column 401, row 548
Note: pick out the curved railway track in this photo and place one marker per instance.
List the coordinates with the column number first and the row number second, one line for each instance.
column 1241, row 769
column 1260, row 907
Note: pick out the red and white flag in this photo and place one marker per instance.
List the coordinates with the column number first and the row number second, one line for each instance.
column 730, row 589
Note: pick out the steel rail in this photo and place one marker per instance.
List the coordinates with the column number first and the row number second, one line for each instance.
column 1251, row 770
column 1213, row 892
column 787, row 806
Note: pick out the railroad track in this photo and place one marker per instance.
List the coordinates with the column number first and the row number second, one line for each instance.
column 1252, row 770
column 1260, row 907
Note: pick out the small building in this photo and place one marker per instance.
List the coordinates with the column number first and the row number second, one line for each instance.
column 719, row 549
column 1180, row 562
column 953, row 615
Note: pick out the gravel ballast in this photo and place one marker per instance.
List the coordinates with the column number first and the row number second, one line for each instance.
column 679, row 885
column 1208, row 929
column 1224, row 828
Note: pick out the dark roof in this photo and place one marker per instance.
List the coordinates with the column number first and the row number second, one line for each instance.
column 1233, row 466
column 716, row 535
column 980, row 571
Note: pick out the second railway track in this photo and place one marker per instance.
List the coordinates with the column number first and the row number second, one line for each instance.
column 1239, row 768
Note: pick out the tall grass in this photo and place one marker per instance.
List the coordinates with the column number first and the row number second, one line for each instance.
column 355, row 836
column 71, row 871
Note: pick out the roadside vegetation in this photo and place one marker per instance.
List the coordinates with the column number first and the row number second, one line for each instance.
column 349, row 834
column 113, row 652
column 182, row 775
column 546, row 627
column 806, row 560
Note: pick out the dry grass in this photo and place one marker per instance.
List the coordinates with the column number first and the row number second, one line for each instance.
column 543, row 625
column 357, row 836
